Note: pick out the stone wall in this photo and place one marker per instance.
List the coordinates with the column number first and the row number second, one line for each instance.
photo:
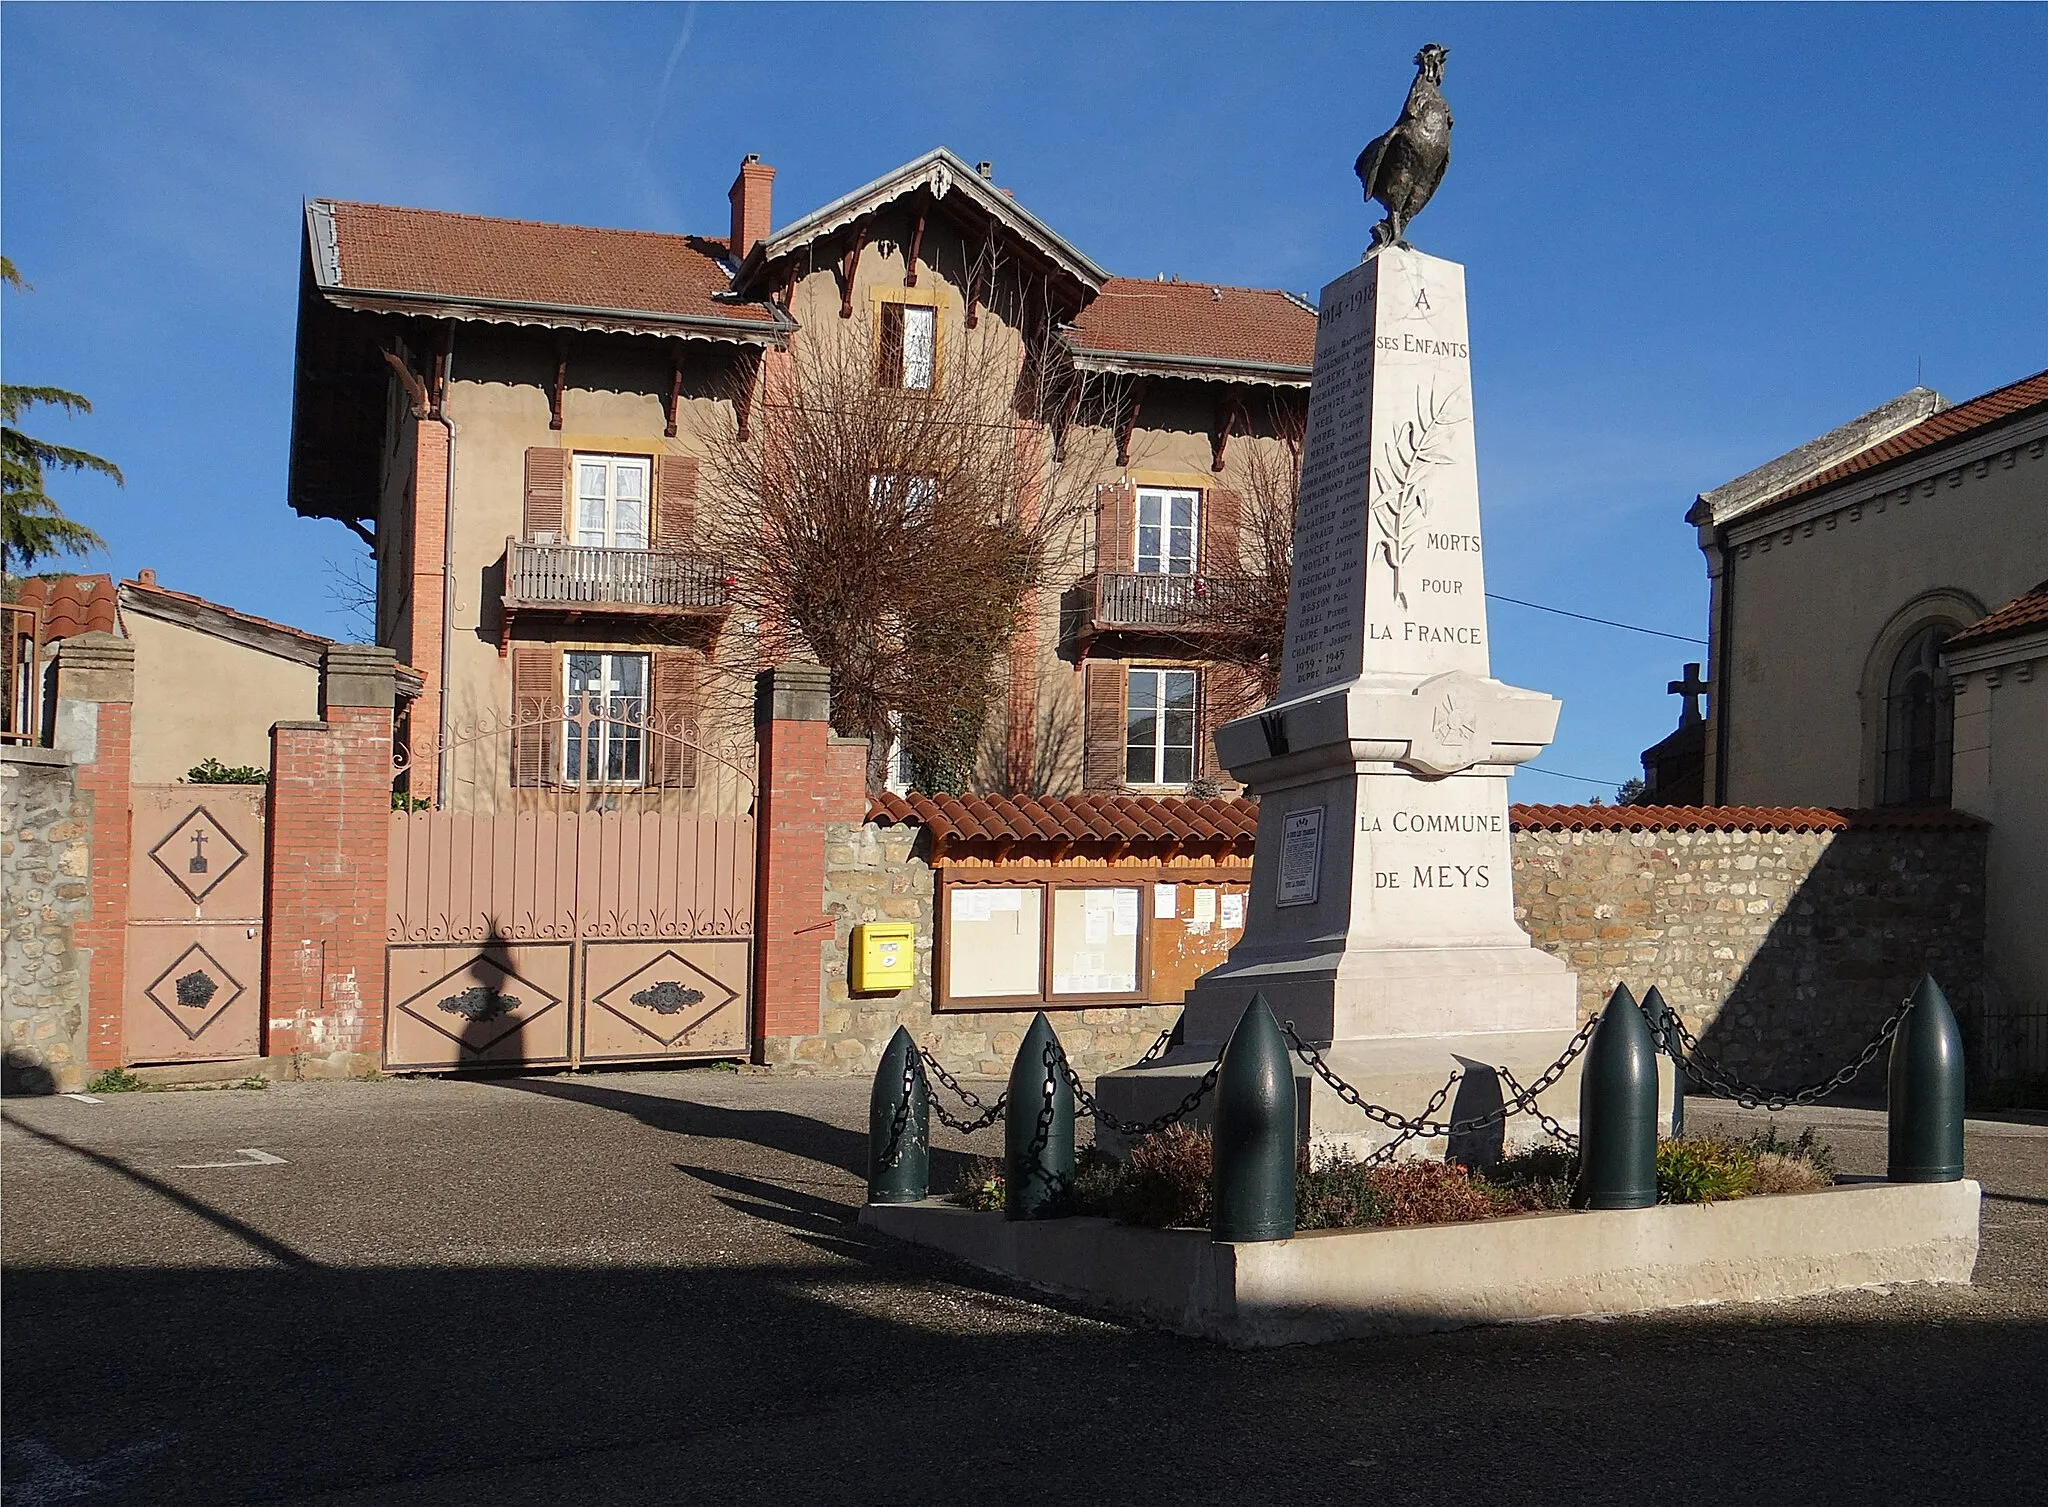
column 45, row 871
column 1783, row 950
column 882, row 873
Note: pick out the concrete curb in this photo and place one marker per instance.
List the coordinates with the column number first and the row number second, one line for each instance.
column 1347, row 1284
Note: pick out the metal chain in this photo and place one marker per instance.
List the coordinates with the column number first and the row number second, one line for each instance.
column 1154, row 1051
column 1425, row 1126
column 1710, row 1073
column 1085, row 1103
column 989, row 1115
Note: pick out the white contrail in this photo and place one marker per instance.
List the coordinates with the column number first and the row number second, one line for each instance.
column 668, row 72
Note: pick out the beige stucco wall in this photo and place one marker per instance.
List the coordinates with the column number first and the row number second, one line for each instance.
column 1824, row 593
column 2001, row 753
column 199, row 697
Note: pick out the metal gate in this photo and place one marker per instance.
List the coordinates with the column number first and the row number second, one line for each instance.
column 541, row 919
column 195, row 924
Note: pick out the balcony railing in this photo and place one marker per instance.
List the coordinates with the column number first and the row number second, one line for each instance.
column 579, row 578
column 1185, row 603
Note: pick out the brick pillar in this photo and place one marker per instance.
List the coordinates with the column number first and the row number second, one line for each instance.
column 327, row 868
column 809, row 779
column 429, row 595
column 95, row 700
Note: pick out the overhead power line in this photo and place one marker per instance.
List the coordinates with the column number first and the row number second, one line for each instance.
column 1605, row 622
column 1583, row 779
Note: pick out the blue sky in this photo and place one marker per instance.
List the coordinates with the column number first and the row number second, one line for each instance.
column 1695, row 236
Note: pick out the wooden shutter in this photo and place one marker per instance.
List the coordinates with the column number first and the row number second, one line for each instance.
column 1223, row 694
column 889, row 362
column 675, row 501
column 1102, row 752
column 536, row 714
column 1116, row 528
column 1220, row 514
column 547, row 484
column 678, row 678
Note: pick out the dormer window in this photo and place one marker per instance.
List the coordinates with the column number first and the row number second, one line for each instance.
column 910, row 345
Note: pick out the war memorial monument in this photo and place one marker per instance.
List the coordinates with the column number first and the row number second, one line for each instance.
column 1381, row 916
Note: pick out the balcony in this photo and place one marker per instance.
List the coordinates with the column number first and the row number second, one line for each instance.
column 1161, row 603
column 577, row 580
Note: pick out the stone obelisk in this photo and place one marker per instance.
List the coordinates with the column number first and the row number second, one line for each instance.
column 1381, row 918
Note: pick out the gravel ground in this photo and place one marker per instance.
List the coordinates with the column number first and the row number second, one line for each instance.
column 647, row 1287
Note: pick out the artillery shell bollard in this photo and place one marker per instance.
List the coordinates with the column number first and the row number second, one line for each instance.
column 1664, row 1022
column 1038, row 1127
column 1618, row 1111
column 1924, row 1092
column 899, row 1127
column 1254, row 1132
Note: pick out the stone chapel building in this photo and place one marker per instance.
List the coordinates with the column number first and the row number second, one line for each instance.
column 1879, row 638
column 516, row 417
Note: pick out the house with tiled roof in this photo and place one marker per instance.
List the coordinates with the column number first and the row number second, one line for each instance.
column 517, row 417
column 1879, row 634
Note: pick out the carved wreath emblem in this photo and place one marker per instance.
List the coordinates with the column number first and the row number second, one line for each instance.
column 479, row 1002
column 196, row 989
column 668, row 997
column 1452, row 722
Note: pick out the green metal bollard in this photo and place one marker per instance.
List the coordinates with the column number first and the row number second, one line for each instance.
column 1618, row 1111
column 899, row 1127
column 1664, row 1023
column 1924, row 1092
column 1255, row 1132
column 1038, row 1128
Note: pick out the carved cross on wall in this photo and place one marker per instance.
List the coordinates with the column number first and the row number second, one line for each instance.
column 1691, row 688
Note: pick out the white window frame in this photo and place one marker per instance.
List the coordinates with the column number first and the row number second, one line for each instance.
column 1163, row 557
column 896, row 779
column 616, row 530
column 920, row 357
column 621, row 725
column 1160, row 746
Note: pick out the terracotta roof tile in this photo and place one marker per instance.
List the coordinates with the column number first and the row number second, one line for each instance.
column 67, row 606
column 247, row 617
column 1098, row 818
column 1729, row 818
column 2027, row 610
column 1949, row 424
column 1196, row 321
column 437, row 254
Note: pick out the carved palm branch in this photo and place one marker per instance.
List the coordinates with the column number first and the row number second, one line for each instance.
column 1400, row 503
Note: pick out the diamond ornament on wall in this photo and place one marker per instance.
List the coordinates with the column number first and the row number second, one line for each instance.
column 666, row 998
column 194, row 991
column 198, row 854
column 478, row 1003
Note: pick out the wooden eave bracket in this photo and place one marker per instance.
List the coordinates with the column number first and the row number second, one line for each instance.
column 849, row 265
column 1127, row 420
column 910, row 256
column 750, row 395
column 1065, row 419
column 415, row 389
column 675, row 396
column 561, row 383
column 1228, row 412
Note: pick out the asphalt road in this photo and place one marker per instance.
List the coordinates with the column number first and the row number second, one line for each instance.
column 647, row 1288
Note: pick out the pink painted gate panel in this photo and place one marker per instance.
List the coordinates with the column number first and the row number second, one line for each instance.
column 195, row 924
column 495, row 1006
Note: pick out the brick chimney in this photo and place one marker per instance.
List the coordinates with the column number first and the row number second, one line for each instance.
column 750, row 194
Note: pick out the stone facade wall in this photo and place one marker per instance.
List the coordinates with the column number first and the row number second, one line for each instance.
column 1783, row 951
column 46, row 871
column 881, row 873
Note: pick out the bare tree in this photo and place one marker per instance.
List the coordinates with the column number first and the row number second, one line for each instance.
column 896, row 530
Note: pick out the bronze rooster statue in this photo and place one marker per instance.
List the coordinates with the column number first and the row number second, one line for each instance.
column 1402, row 168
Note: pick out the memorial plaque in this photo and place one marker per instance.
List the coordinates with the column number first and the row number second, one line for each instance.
column 1301, row 857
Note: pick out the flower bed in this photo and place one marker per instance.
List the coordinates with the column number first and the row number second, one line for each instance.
column 1165, row 1182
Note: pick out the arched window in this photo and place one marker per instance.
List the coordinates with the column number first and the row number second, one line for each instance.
column 1919, row 723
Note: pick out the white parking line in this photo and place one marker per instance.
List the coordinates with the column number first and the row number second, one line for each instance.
column 83, row 1098
column 251, row 1157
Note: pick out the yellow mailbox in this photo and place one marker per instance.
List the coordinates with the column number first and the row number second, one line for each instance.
column 884, row 956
